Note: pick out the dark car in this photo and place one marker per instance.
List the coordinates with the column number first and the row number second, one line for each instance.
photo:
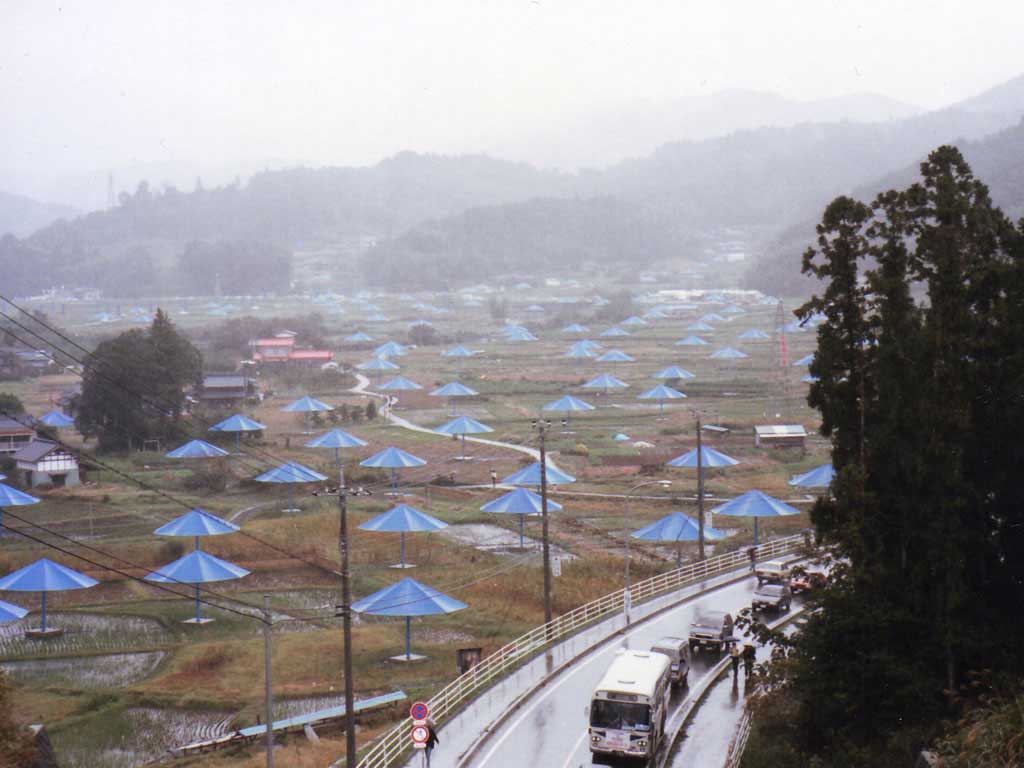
column 711, row 630
column 772, row 597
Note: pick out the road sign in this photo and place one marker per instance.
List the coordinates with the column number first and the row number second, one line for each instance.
column 419, row 735
column 419, row 712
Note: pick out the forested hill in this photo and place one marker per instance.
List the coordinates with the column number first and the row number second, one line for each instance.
column 540, row 236
column 21, row 216
column 998, row 161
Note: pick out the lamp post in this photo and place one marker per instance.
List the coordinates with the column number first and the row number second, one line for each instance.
column 626, row 601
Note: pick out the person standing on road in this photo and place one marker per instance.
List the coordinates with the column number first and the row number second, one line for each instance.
column 494, row 478
column 735, row 654
column 432, row 741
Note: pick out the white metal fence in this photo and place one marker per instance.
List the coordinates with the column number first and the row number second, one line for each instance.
column 391, row 746
column 739, row 742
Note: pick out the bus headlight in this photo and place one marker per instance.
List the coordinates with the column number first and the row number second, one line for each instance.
column 595, row 739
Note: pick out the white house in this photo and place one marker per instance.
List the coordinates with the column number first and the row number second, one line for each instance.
column 43, row 462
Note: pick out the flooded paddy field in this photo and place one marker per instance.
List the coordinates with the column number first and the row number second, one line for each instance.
column 113, row 671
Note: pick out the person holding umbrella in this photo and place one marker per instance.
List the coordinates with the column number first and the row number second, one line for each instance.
column 432, row 740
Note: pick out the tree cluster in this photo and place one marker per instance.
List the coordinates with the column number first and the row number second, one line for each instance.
column 920, row 369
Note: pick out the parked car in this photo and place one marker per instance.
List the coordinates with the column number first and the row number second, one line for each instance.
column 678, row 650
column 774, row 571
column 804, row 579
column 772, row 597
column 711, row 630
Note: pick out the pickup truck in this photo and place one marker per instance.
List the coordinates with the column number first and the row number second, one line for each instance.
column 773, row 571
column 711, row 630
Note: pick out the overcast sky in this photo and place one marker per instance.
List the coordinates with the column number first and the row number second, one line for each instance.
column 90, row 85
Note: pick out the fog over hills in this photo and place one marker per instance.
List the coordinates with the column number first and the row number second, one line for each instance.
column 21, row 216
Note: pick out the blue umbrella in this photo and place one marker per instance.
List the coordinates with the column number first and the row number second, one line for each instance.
column 755, row 504
column 568, row 403
column 614, row 331
column 520, row 502
column 691, row 341
column 12, row 497
column 197, row 567
column 805, row 360
column 237, row 424
column 463, row 425
column 519, row 334
column 615, row 356
column 407, row 598
column 307, row 405
column 819, row 477
column 633, row 320
column 673, row 372
column 530, row 475
column 56, row 419
column 400, row 519
column 359, row 336
column 390, row 349
column 808, row 379
column 196, row 449
column 712, row 318
column 728, row 353
column 11, row 612
column 290, row 473
column 605, row 382
column 394, row 459
column 709, row 459
column 676, row 527
column 700, row 327
column 44, row 576
column 378, row 364
column 451, row 391
column 754, row 334
column 197, row 522
column 661, row 393
column 336, row 439
column 399, row 384
column 458, row 351
column 575, row 328
column 580, row 349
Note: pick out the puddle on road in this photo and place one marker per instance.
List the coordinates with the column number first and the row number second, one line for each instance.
column 114, row 671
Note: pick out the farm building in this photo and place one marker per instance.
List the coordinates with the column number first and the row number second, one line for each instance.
column 43, row 462
column 228, row 390
column 779, row 436
column 14, row 435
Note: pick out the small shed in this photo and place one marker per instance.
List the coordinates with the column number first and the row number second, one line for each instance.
column 43, row 462
column 780, row 436
column 14, row 435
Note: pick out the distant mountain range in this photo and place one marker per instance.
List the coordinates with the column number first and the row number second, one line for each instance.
column 21, row 216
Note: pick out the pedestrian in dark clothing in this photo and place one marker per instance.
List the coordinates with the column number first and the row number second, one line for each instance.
column 752, row 554
column 749, row 657
column 432, row 741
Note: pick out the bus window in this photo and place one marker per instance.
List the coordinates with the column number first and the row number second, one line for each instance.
column 620, row 715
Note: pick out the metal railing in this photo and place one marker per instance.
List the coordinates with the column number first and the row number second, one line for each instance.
column 739, row 742
column 391, row 746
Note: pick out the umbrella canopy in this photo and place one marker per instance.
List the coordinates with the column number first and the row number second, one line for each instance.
column 56, row 419
column 530, row 475
column 463, row 425
column 407, row 598
column 390, row 349
column 700, row 327
column 196, row 449
column 307, row 404
column 568, row 403
column 711, row 318
column 691, row 341
column 614, row 331
column 633, row 320
column 403, row 518
column 392, row 458
column 592, row 345
column 520, row 501
column 458, row 351
column 661, row 392
column 580, row 349
column 615, row 356
column 44, row 575
column 755, row 504
column 198, row 522
column 197, row 567
column 237, row 423
column 336, row 438
column 819, row 477
column 358, row 336
column 12, row 497
column 454, row 389
column 808, row 379
column 575, row 328
column 291, row 472
column 519, row 334
column 399, row 384
column 11, row 612
column 605, row 381
column 728, row 353
column 673, row 372
column 378, row 364
column 805, row 360
column 754, row 334
column 675, row 527
column 709, row 459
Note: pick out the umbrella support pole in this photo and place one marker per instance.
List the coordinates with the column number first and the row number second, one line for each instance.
column 408, row 656
column 755, row 531
column 42, row 619
column 42, row 631
column 402, row 563
column 198, row 618
column 522, row 518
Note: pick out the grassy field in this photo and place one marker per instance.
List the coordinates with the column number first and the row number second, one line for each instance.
column 126, row 661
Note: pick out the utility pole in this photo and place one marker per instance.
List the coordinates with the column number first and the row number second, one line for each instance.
column 346, row 613
column 541, row 426
column 700, row 492
column 269, row 693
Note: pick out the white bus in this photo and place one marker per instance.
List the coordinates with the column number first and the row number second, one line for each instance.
column 629, row 705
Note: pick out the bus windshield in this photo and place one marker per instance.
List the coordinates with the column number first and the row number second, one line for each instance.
column 620, row 715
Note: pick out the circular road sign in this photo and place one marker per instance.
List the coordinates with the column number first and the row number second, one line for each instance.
column 419, row 734
column 419, row 711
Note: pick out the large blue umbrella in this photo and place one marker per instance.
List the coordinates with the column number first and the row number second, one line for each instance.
column 196, row 523
column 394, row 459
column 458, row 351
column 44, row 576
column 237, row 424
column 728, row 353
column 711, row 318
column 56, row 419
column 819, row 477
column 691, row 341
column 399, row 384
column 754, row 334
column 358, row 336
column 661, row 393
column 390, row 349
column 805, row 360
column 567, row 403
column 673, row 372
column 613, row 332
column 633, row 320
column 290, row 473
column 709, row 458
column 522, row 502
column 197, row 567
column 530, row 475
column 307, row 405
column 580, row 350
column 453, row 390
column 11, row 612
column 605, row 381
column 400, row 519
column 700, row 327
column 675, row 527
column 463, row 425
column 615, row 356
column 407, row 598
column 755, row 504
column 12, row 497
column 196, row 449
column 336, row 439
column 519, row 333
column 575, row 328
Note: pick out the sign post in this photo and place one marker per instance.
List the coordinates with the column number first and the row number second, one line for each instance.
column 419, row 712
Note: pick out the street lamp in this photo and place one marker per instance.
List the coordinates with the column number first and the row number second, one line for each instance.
column 626, row 602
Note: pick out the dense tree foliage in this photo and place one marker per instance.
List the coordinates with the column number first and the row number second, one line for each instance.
column 920, row 370
column 133, row 387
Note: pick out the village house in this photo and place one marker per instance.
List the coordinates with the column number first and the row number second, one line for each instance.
column 14, row 435
column 282, row 349
column 226, row 390
column 43, row 462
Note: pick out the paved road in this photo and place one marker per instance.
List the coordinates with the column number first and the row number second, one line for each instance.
column 550, row 730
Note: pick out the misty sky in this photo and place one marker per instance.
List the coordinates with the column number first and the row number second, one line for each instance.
column 91, row 85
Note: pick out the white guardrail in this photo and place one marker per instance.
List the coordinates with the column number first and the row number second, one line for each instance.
column 738, row 745
column 388, row 748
